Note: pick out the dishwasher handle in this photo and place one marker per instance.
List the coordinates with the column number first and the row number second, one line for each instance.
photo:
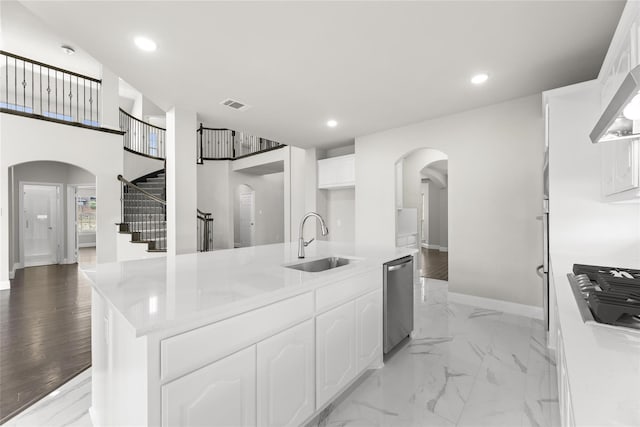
column 399, row 266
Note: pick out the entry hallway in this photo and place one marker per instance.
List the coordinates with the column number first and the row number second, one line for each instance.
column 45, row 332
column 467, row 366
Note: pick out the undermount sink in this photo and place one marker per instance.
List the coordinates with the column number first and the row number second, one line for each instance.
column 321, row 264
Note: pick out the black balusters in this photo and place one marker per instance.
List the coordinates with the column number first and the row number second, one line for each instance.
column 27, row 82
column 141, row 137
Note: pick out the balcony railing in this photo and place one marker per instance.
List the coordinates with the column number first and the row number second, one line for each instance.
column 141, row 137
column 227, row 144
column 205, row 231
column 31, row 88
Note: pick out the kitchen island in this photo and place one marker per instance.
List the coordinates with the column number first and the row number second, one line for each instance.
column 234, row 337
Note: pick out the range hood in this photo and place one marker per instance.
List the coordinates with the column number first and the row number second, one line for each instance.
column 621, row 119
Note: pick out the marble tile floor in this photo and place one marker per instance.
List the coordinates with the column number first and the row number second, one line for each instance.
column 66, row 406
column 466, row 366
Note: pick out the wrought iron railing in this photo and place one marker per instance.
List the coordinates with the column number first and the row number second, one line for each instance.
column 144, row 215
column 141, row 137
column 227, row 144
column 205, row 231
column 29, row 87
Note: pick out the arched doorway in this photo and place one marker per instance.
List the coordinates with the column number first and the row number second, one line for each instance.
column 52, row 213
column 421, row 214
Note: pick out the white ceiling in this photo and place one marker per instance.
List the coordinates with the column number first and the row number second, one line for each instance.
column 369, row 65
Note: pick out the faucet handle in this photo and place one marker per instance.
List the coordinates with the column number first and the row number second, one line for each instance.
column 309, row 242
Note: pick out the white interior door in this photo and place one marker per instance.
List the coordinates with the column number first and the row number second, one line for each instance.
column 247, row 218
column 40, row 224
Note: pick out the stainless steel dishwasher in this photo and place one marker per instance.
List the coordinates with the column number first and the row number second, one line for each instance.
column 398, row 301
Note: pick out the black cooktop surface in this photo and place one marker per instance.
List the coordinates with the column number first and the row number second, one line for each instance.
column 612, row 294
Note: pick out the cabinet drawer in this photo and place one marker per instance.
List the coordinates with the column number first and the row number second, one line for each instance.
column 345, row 290
column 220, row 394
column 186, row 352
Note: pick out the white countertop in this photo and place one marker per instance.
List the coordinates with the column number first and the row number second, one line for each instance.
column 603, row 364
column 158, row 294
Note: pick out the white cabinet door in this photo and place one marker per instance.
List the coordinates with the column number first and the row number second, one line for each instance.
column 337, row 172
column 286, row 377
column 369, row 329
column 335, row 351
column 220, row 394
column 625, row 165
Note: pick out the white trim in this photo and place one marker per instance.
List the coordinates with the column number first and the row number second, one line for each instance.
column 12, row 272
column 87, row 245
column 443, row 249
column 429, row 246
column 5, row 285
column 494, row 304
column 92, row 416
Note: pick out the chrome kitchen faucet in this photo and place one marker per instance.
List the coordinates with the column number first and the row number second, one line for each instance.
column 301, row 243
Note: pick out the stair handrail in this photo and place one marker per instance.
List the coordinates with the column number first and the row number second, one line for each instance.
column 142, row 190
column 204, row 215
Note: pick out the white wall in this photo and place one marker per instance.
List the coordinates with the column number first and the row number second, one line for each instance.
column 495, row 192
column 136, row 165
column 215, row 195
column 340, row 214
column 436, row 201
column 582, row 227
column 268, row 204
column 24, row 140
column 182, row 182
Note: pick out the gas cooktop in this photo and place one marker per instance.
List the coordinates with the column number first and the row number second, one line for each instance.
column 607, row 295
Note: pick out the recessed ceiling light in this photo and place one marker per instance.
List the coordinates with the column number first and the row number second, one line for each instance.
column 332, row 123
column 478, row 79
column 67, row 49
column 145, row 44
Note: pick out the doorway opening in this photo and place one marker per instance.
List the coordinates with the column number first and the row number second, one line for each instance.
column 422, row 198
column 246, row 216
column 85, row 207
column 41, row 223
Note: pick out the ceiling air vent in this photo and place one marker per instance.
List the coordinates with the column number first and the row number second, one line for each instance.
column 236, row 105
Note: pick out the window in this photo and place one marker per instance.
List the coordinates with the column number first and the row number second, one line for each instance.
column 86, row 214
column 15, row 107
column 153, row 144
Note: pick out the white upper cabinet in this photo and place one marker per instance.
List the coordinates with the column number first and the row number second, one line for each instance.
column 337, row 172
column 621, row 159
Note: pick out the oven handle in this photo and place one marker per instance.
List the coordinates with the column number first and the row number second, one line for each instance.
column 539, row 271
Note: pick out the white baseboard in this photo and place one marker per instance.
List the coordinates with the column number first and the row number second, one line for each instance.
column 92, row 416
column 87, row 245
column 5, row 285
column 437, row 247
column 494, row 304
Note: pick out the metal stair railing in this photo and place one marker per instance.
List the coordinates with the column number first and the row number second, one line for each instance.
column 144, row 215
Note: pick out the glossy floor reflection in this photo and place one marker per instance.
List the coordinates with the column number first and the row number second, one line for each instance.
column 466, row 366
column 67, row 406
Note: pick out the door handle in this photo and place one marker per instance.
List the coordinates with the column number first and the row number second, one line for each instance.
column 539, row 271
column 398, row 267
